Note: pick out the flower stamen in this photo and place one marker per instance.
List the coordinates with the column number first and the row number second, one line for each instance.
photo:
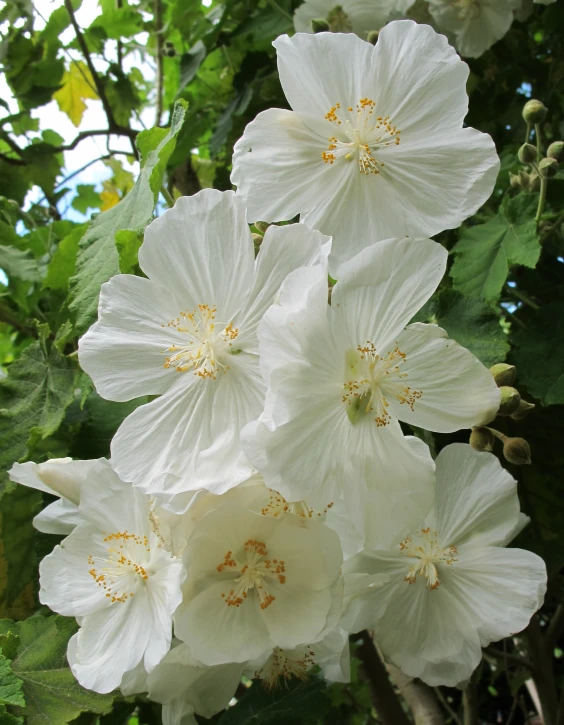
column 254, row 571
column 121, row 570
column 425, row 549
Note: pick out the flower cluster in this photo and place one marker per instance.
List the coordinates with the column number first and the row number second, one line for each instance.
column 472, row 26
column 267, row 501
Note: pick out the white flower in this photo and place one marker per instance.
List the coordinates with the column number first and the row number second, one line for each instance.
column 452, row 586
column 255, row 582
column 113, row 574
column 476, row 24
column 354, row 16
column 60, row 477
column 374, row 147
column 188, row 334
column 341, row 376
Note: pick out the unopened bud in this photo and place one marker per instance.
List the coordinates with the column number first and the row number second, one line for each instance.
column 170, row 52
column 482, row 439
column 261, row 226
column 556, row 150
column 318, row 25
column 527, row 154
column 372, row 36
column 257, row 241
column 515, row 181
column 517, row 451
column 13, row 203
column 523, row 410
column 548, row 167
column 534, row 182
column 503, row 374
column 509, row 400
column 534, row 112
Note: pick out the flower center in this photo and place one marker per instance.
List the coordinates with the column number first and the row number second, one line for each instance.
column 124, row 567
column 425, row 549
column 286, row 664
column 359, row 134
column 206, row 343
column 371, row 379
column 467, row 9
column 254, row 572
column 278, row 506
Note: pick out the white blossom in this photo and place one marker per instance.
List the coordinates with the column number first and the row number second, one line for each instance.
column 452, row 586
column 354, row 16
column 188, row 335
column 374, row 146
column 475, row 24
column 113, row 574
column 256, row 582
column 340, row 378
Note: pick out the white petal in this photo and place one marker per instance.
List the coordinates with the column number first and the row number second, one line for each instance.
column 58, row 476
column 380, row 289
column 202, row 420
column 476, row 501
column 313, row 88
column 333, row 656
column 178, row 712
column 134, row 681
column 110, row 643
column 457, row 390
column 60, row 517
column 279, row 170
column 501, row 589
column 295, row 617
column 201, row 250
column 124, row 352
column 283, row 250
column 164, row 593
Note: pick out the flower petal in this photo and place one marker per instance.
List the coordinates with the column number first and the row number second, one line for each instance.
column 457, row 390
column 382, row 287
column 124, row 351
column 201, row 250
column 60, row 517
column 477, row 502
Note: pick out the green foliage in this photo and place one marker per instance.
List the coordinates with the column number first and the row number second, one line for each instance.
column 484, row 252
column 98, row 257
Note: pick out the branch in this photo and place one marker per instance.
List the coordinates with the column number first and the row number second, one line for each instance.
column 117, row 131
column 10, row 318
column 543, row 673
column 419, row 697
column 158, row 17
column 95, row 77
column 555, row 628
column 384, row 698
column 507, row 658
column 12, row 161
column 470, row 702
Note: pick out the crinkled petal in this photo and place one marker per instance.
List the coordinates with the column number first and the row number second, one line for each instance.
column 457, row 391
column 202, row 252
column 60, row 517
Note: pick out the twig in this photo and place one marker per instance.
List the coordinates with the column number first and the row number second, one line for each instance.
column 447, row 707
column 118, row 131
column 10, row 318
column 158, row 17
column 506, row 657
column 384, row 699
column 470, row 702
column 419, row 698
column 12, row 161
column 522, row 297
column 543, row 673
column 167, row 196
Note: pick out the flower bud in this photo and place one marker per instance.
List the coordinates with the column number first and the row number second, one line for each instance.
column 534, row 112
column 503, row 374
column 523, row 410
column 372, row 36
column 509, row 400
column 517, row 451
column 515, row 181
column 556, row 150
column 482, row 439
column 257, row 241
column 318, row 25
column 527, row 154
column 261, row 226
column 548, row 167
column 534, row 182
column 338, row 20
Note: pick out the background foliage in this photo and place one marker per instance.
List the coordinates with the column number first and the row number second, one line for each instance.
column 214, row 70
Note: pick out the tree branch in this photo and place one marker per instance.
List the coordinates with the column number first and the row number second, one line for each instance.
column 419, row 697
column 384, row 698
column 118, row 131
column 12, row 161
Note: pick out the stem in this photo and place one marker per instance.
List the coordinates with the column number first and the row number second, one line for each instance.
column 384, row 698
column 281, row 10
column 538, row 137
column 506, row 657
column 528, row 134
column 543, row 674
column 167, row 196
column 158, row 17
column 11, row 318
column 470, row 702
column 555, row 628
column 523, row 297
column 447, row 707
column 542, row 198
column 419, row 697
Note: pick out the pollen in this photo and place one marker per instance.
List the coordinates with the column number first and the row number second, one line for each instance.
column 285, row 665
column 123, row 568
column 360, row 135
column 428, row 556
column 203, row 343
column 278, row 506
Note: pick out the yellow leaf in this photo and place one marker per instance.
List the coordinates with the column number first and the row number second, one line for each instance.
column 109, row 197
column 78, row 85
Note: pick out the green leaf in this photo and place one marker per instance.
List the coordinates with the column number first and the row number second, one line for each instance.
column 7, row 719
column 470, row 322
column 10, row 685
column 17, row 263
column 539, row 355
column 296, row 702
column 98, row 258
column 86, row 198
column 33, row 399
column 52, row 694
column 485, row 252
column 63, row 263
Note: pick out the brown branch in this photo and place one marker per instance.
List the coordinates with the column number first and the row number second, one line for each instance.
column 117, row 131
column 158, row 17
column 10, row 160
column 543, row 672
column 420, row 698
column 384, row 698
